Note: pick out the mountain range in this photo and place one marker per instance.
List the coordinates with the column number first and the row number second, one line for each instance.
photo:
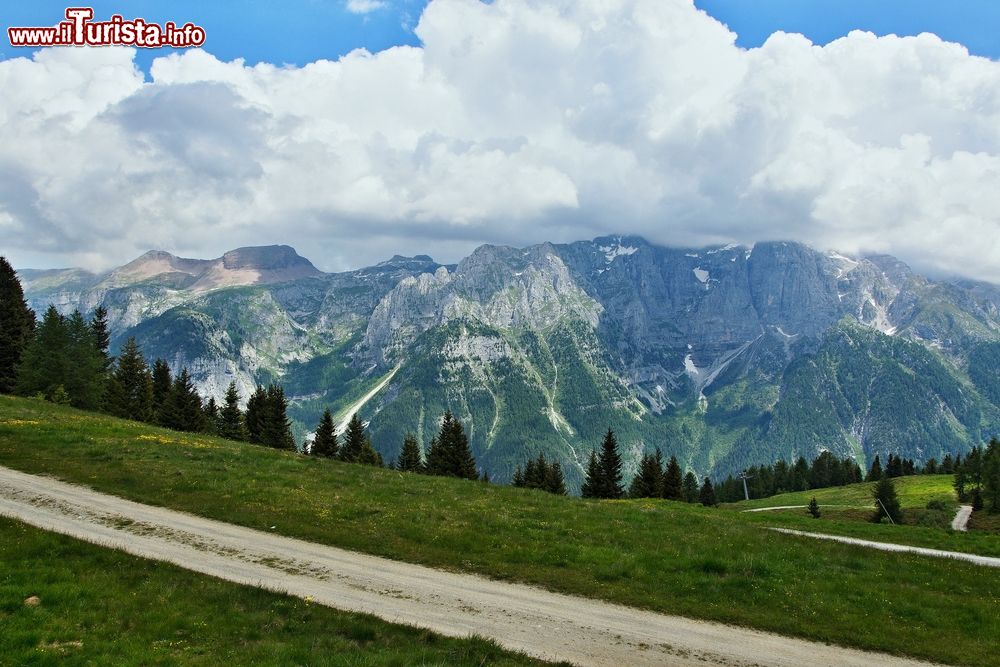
column 723, row 356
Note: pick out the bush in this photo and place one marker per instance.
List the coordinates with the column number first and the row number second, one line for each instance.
column 937, row 504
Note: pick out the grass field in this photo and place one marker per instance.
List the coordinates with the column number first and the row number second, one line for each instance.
column 671, row 557
column 846, row 510
column 914, row 492
column 99, row 606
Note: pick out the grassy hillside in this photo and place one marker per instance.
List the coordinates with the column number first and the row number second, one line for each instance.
column 671, row 557
column 914, row 492
column 99, row 606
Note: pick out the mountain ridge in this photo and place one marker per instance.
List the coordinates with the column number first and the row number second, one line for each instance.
column 539, row 349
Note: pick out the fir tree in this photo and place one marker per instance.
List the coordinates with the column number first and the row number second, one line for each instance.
column 277, row 429
column 410, row 458
column 256, row 415
column 17, row 326
column 554, row 480
column 991, row 475
column 648, row 482
column 518, row 479
column 886, row 501
column 102, row 336
column 611, row 468
column 672, row 481
column 707, row 494
column 690, row 487
column 85, row 381
column 231, row 417
column 449, row 454
column 875, row 472
column 45, row 361
column 210, row 409
column 354, row 440
column 592, row 483
column 814, row 508
column 325, row 439
column 162, row 382
column 182, row 410
column 130, row 388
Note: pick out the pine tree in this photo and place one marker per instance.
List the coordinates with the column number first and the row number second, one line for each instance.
column 886, row 501
column 130, row 388
column 593, row 483
column 210, row 410
column 45, row 360
column 991, row 475
column 449, row 454
column 231, row 417
column 690, row 487
column 410, row 458
column 814, row 508
column 554, row 480
column 875, row 472
column 672, row 481
column 182, row 410
column 648, row 482
column 277, row 429
column 354, row 440
column 707, row 494
column 162, row 381
column 611, row 467
column 518, row 479
column 85, row 381
column 325, row 439
column 17, row 326
column 102, row 336
column 256, row 415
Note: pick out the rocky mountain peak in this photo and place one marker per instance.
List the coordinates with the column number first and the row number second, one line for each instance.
column 266, row 258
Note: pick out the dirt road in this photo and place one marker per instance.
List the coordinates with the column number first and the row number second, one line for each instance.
column 961, row 520
column 538, row 622
column 986, row 561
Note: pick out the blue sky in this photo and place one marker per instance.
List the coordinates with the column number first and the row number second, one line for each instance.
column 302, row 31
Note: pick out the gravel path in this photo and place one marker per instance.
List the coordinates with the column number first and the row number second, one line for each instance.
column 987, row 561
column 538, row 622
column 961, row 520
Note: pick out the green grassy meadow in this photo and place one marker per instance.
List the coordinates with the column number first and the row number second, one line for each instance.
column 99, row 606
column 707, row 563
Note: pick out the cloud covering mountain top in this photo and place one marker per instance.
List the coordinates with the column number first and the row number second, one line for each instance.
column 514, row 122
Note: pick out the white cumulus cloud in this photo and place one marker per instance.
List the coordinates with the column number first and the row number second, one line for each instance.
column 516, row 121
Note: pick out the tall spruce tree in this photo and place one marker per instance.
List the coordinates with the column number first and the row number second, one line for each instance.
column 182, row 409
column 555, row 482
column 17, row 326
column 130, row 387
column 231, row 423
column 85, row 382
column 45, row 361
column 410, row 459
column 449, row 454
column 690, row 487
column 648, row 481
column 357, row 446
column 256, row 415
column 672, row 481
column 592, row 483
column 325, row 439
column 211, row 422
column 277, row 429
column 707, row 494
column 875, row 472
column 162, row 382
column 611, row 467
column 102, row 336
column 886, row 501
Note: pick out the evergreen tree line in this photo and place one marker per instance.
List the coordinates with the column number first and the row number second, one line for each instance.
column 540, row 474
column 653, row 480
column 448, row 455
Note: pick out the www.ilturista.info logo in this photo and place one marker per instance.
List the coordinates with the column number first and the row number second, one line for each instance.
column 79, row 30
